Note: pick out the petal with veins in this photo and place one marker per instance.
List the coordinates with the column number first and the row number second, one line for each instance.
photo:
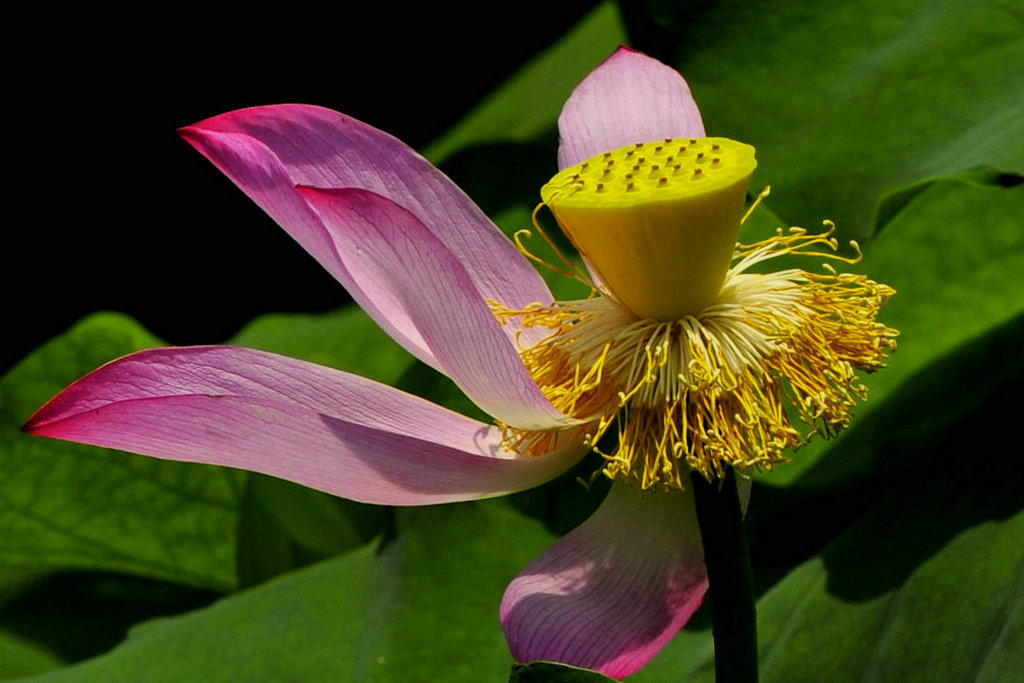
column 629, row 98
column 319, row 147
column 322, row 428
column 387, row 246
column 253, row 167
column 610, row 594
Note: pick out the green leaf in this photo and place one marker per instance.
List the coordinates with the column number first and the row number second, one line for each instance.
column 847, row 100
column 79, row 614
column 443, row 578
column 950, row 253
column 421, row 608
column 67, row 506
column 894, row 201
column 285, row 525
column 19, row 657
column 958, row 616
column 961, row 319
column 925, row 583
column 551, row 672
column 928, row 585
column 527, row 105
column 322, row 525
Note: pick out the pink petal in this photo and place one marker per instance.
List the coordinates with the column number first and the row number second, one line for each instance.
column 629, row 98
column 609, row 595
column 255, row 169
column 388, row 246
column 319, row 147
column 323, row 428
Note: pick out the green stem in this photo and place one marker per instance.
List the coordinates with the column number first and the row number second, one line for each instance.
column 730, row 586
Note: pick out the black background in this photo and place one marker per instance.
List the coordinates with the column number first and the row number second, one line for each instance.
column 112, row 211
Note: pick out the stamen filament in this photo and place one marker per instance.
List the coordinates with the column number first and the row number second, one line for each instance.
column 709, row 391
column 762, row 195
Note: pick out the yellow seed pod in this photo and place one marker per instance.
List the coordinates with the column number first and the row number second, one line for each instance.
column 657, row 221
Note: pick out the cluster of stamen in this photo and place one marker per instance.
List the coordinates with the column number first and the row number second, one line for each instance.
column 720, row 388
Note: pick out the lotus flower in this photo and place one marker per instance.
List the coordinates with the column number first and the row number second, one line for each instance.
column 699, row 364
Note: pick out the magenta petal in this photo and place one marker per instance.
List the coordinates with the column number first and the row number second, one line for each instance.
column 320, row 427
column 629, row 98
column 388, row 246
column 318, row 147
column 611, row 594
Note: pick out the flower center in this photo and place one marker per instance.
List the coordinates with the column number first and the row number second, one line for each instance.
column 722, row 387
column 657, row 222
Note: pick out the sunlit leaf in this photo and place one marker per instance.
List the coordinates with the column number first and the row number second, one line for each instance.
column 421, row 608
column 845, row 101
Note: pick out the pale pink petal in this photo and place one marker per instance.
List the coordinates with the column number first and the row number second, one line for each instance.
column 318, row 147
column 629, row 98
column 384, row 244
column 611, row 594
column 322, row 428
column 255, row 169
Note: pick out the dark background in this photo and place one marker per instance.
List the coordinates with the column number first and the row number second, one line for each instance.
column 115, row 212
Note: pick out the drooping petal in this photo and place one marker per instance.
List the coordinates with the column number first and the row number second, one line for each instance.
column 320, row 427
column 610, row 594
column 318, row 147
column 384, row 244
column 255, row 169
column 629, row 98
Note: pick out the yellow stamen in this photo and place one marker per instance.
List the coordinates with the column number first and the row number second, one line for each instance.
column 708, row 390
column 757, row 202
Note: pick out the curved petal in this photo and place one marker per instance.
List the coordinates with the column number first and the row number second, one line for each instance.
column 319, row 147
column 320, row 427
column 629, row 98
column 255, row 169
column 610, row 594
column 386, row 245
